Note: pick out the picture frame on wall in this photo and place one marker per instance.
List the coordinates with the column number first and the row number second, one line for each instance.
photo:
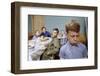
column 52, row 37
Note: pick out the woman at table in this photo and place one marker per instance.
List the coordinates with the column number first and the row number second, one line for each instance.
column 41, row 44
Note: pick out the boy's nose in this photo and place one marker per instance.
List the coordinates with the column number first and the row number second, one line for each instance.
column 75, row 38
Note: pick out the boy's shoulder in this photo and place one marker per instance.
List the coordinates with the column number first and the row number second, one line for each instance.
column 82, row 45
column 65, row 46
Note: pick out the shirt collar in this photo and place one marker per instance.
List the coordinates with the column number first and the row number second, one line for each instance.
column 73, row 44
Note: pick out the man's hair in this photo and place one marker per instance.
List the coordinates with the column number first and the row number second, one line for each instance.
column 56, row 29
column 73, row 26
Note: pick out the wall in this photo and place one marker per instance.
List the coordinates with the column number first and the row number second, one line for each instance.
column 51, row 22
column 60, row 22
column 29, row 24
column 5, row 38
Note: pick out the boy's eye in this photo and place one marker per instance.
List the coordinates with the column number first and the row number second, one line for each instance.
column 72, row 35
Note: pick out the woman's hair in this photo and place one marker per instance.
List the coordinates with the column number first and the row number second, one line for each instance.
column 43, row 28
column 42, row 34
column 73, row 26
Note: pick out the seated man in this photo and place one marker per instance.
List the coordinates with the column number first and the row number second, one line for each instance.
column 53, row 48
column 73, row 49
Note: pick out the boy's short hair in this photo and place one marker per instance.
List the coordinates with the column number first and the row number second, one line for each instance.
column 56, row 29
column 73, row 26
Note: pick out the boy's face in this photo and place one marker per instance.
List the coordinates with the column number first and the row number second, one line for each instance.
column 54, row 33
column 73, row 37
